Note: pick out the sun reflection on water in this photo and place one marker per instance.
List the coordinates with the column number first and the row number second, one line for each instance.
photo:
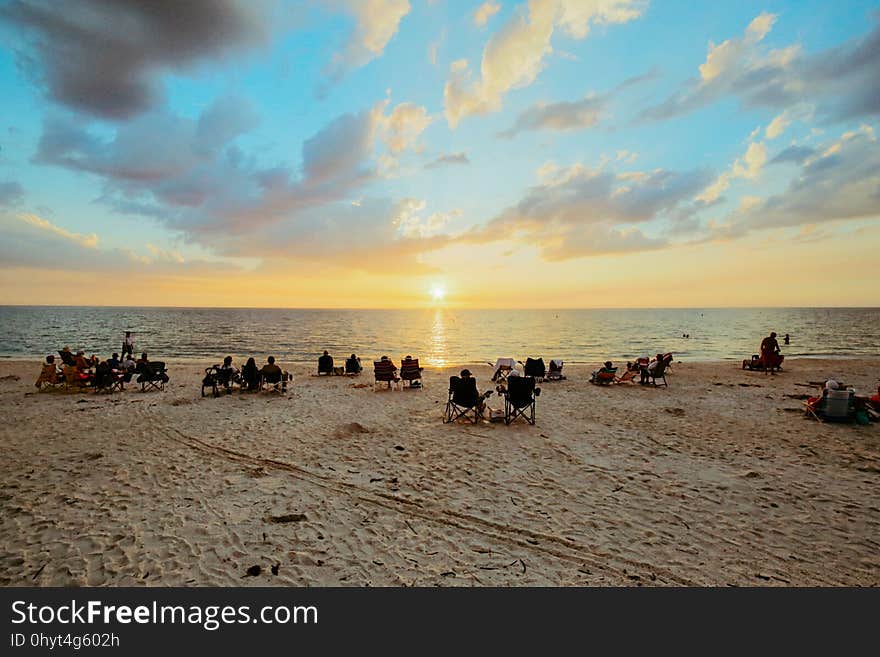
column 439, row 355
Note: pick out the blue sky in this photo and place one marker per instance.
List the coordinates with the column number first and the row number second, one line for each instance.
column 539, row 141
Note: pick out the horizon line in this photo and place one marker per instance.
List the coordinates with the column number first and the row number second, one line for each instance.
column 436, row 307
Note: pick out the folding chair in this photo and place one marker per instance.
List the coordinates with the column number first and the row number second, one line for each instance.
column 519, row 399
column 273, row 382
column 464, row 401
column 503, row 368
column 535, row 368
column 604, row 377
column 384, row 372
column 108, row 380
column 659, row 372
column 411, row 373
column 154, row 376
column 555, row 371
column 325, row 366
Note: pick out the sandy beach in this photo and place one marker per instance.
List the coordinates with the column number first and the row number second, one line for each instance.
column 718, row 479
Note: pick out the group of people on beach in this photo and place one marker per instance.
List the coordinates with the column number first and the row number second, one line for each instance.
column 80, row 371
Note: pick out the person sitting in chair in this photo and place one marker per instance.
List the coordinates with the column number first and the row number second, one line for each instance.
column 466, row 393
column 272, row 373
column 228, row 372
column 325, row 364
column 250, row 375
column 113, row 362
column 49, row 373
column 353, row 365
column 650, row 368
column 607, row 371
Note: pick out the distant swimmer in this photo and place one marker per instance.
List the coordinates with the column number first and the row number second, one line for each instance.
column 786, row 339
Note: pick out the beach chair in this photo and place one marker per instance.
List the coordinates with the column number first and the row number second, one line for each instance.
column 385, row 372
column 273, row 382
column 464, row 401
column 153, row 376
column 73, row 378
column 353, row 366
column 503, row 368
column 604, row 377
column 50, row 378
column 325, row 366
column 520, row 399
column 554, row 373
column 658, row 373
column 834, row 406
column 67, row 358
column 218, row 378
column 535, row 368
column 107, row 380
column 411, row 373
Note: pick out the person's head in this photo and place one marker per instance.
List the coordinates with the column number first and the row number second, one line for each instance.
column 772, row 334
column 115, row 356
column 50, row 359
column 659, row 357
column 831, row 384
column 465, row 374
column 271, row 360
column 608, row 364
column 353, row 357
column 326, row 353
column 67, row 349
column 227, row 360
column 144, row 356
column 384, row 358
column 128, row 334
column 251, row 362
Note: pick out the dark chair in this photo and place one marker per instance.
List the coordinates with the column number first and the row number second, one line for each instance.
column 106, row 379
column 325, row 365
column 274, row 382
column 555, row 371
column 658, row 373
column 520, row 398
column 353, row 366
column 67, row 358
column 153, row 376
column 464, row 400
column 535, row 368
column 218, row 378
column 411, row 372
column 385, row 372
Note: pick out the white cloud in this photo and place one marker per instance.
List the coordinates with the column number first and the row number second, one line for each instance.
column 89, row 241
column 514, row 56
column 749, row 166
column 376, row 23
column 484, row 12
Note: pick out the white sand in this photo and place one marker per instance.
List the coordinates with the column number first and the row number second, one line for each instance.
column 707, row 482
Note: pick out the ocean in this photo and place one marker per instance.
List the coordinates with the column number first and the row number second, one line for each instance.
column 438, row 336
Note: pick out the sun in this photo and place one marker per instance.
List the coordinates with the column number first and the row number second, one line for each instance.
column 437, row 293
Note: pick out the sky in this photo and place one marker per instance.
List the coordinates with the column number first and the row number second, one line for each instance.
column 410, row 153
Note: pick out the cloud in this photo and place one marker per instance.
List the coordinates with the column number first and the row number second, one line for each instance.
column 11, row 193
column 581, row 211
column 106, row 58
column 840, row 181
column 403, row 126
column 448, row 159
column 376, row 23
column 514, row 56
column 749, row 166
column 88, row 241
column 796, row 154
column 839, row 82
column 484, row 12
column 559, row 117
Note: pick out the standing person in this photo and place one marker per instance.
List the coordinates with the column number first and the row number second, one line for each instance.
column 770, row 353
column 127, row 344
